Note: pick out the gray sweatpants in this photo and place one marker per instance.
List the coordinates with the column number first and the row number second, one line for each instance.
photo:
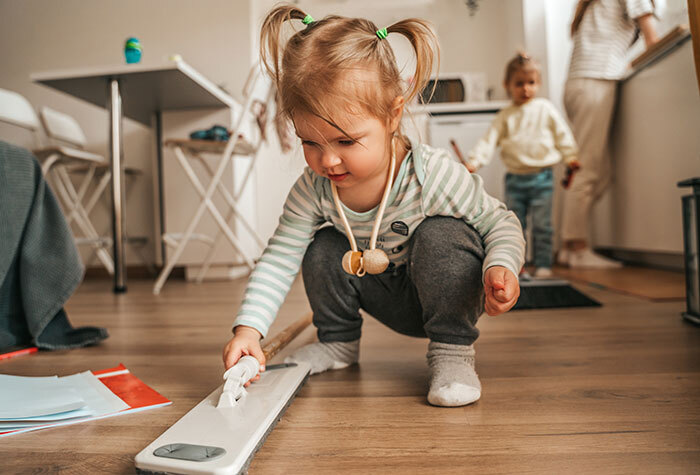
column 439, row 294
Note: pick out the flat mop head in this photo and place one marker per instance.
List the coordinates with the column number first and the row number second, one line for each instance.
column 212, row 440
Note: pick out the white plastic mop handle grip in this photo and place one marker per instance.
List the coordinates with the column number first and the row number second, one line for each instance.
column 244, row 370
column 236, row 376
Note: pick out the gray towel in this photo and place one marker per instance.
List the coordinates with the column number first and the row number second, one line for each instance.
column 39, row 263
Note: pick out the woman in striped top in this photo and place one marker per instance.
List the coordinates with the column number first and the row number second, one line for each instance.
column 432, row 250
column 602, row 32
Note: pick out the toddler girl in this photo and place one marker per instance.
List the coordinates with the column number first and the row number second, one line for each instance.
column 376, row 222
column 533, row 137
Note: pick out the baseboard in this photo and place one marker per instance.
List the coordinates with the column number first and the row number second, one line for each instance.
column 141, row 272
column 658, row 260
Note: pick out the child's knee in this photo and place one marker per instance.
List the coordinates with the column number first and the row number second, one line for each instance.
column 448, row 240
column 325, row 251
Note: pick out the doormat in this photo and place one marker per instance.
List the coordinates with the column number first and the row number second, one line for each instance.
column 551, row 293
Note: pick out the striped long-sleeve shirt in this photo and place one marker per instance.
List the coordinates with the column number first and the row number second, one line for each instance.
column 429, row 183
column 604, row 36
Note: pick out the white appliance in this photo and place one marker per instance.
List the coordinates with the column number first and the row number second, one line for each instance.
column 466, row 124
column 456, row 88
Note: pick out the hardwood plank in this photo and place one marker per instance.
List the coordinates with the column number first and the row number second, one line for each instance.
column 654, row 284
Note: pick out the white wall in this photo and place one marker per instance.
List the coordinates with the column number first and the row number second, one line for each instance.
column 558, row 15
column 43, row 35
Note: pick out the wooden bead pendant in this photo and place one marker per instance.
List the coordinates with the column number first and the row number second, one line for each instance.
column 375, row 261
column 352, row 263
column 372, row 260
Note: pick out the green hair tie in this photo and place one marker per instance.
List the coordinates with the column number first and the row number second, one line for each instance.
column 307, row 20
column 382, row 33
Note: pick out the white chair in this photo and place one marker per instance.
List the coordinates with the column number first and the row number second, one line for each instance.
column 68, row 141
column 258, row 94
column 16, row 110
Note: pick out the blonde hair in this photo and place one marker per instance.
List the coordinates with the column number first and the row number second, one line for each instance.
column 521, row 62
column 311, row 68
column 581, row 8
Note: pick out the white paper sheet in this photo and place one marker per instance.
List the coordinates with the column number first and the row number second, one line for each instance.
column 99, row 400
column 10, row 424
column 31, row 397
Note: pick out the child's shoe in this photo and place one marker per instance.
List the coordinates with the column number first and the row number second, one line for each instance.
column 543, row 273
column 324, row 356
column 453, row 380
column 587, row 259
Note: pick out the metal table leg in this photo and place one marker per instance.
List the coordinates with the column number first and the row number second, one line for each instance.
column 118, row 219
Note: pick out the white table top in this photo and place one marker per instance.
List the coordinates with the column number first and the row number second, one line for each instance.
column 145, row 88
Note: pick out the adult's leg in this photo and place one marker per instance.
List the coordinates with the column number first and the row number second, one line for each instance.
column 589, row 105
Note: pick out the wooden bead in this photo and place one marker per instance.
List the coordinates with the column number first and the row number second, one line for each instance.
column 352, row 262
column 375, row 261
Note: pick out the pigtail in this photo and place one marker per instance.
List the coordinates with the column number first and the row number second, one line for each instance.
column 425, row 45
column 270, row 37
column 270, row 53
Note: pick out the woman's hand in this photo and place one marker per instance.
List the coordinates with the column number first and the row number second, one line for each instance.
column 502, row 290
column 245, row 341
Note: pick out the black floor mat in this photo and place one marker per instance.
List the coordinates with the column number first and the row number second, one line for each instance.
column 551, row 293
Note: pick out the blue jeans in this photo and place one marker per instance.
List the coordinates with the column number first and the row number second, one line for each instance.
column 533, row 193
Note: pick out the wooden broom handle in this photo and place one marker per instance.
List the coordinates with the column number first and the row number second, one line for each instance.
column 280, row 340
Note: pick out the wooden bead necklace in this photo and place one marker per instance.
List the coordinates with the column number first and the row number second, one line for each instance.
column 372, row 260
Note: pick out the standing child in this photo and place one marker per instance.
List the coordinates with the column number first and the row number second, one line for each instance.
column 533, row 137
column 379, row 223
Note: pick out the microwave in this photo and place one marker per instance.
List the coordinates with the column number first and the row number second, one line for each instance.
column 455, row 88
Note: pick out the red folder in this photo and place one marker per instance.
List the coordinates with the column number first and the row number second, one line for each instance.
column 130, row 389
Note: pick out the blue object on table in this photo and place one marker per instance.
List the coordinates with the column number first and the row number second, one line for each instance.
column 216, row 132
column 133, row 50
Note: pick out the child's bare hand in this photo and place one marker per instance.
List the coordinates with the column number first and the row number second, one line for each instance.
column 246, row 341
column 571, row 170
column 502, row 290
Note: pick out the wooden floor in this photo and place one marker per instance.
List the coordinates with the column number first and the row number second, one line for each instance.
column 614, row 389
column 652, row 284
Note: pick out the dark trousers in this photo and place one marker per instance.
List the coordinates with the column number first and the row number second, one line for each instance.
column 439, row 294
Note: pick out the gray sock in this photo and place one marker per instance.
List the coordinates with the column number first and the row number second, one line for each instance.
column 325, row 356
column 453, row 380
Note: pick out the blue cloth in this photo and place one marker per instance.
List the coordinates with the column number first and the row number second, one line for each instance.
column 39, row 264
column 532, row 193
